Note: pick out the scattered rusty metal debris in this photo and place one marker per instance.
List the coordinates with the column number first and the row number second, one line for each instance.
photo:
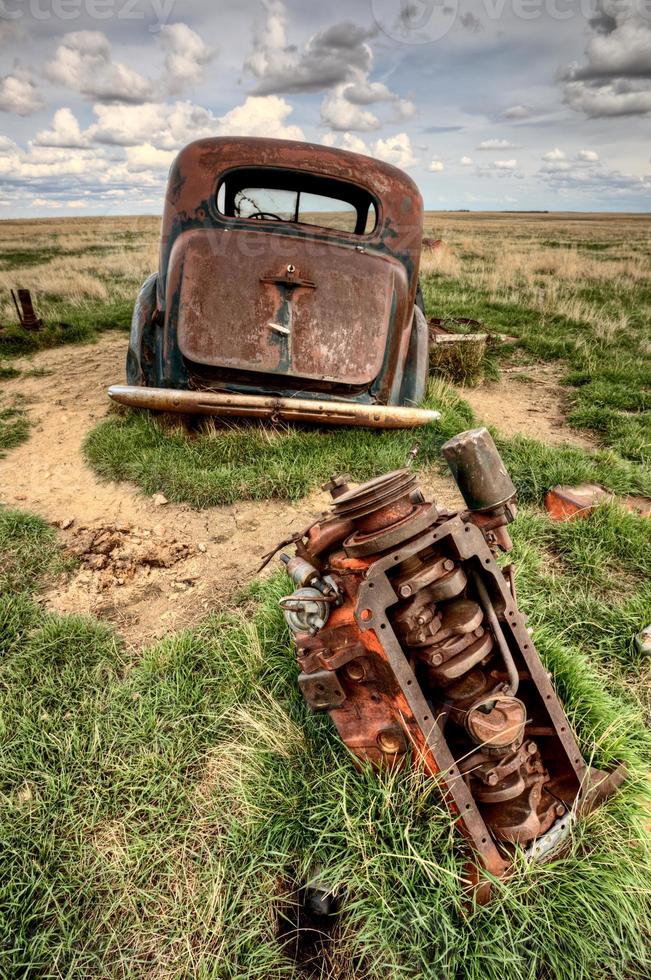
column 287, row 287
column 440, row 327
column 25, row 309
column 569, row 503
column 408, row 633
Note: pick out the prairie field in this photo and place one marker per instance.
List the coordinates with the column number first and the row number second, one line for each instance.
column 164, row 792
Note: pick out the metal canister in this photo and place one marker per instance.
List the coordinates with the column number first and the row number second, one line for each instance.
column 478, row 470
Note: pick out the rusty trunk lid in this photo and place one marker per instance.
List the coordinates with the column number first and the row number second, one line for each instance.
column 259, row 301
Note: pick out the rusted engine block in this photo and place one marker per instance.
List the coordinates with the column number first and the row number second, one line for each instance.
column 409, row 634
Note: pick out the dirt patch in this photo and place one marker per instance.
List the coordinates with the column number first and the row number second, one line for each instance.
column 118, row 554
column 528, row 402
column 148, row 566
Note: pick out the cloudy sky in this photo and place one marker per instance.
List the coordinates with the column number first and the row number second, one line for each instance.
column 494, row 104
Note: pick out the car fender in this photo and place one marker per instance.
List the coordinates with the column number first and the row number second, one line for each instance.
column 141, row 355
column 414, row 383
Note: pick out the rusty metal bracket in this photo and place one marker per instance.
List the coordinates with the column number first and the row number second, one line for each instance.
column 321, row 690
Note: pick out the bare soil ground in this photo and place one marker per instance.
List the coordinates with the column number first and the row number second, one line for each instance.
column 527, row 401
column 150, row 568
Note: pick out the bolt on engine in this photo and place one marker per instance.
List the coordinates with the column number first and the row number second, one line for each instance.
column 408, row 634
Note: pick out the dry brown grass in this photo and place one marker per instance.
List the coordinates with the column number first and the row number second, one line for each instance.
column 559, row 264
column 77, row 260
column 503, row 251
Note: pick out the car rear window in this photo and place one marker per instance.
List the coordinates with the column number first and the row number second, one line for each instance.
column 265, row 194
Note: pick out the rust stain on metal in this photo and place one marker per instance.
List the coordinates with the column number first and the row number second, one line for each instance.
column 408, row 633
column 286, row 269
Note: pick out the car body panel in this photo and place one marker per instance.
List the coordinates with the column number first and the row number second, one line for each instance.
column 253, row 316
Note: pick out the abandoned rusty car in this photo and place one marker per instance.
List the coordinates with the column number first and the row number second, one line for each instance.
column 287, row 288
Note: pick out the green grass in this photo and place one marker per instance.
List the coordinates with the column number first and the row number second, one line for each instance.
column 66, row 324
column 14, row 428
column 603, row 350
column 156, row 813
column 29, row 555
column 536, row 466
column 8, row 372
column 587, row 584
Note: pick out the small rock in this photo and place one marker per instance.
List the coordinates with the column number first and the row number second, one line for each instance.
column 643, row 642
column 69, row 521
column 201, row 547
column 159, row 500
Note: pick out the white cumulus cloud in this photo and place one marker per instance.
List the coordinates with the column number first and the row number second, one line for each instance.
column 555, row 154
column 19, row 94
column 187, row 56
column 260, row 115
column 615, row 76
column 516, row 112
column 396, row 150
column 496, row 144
column 340, row 114
column 83, row 62
column 64, row 131
column 148, row 157
column 336, row 60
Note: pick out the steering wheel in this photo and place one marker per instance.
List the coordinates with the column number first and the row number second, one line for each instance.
column 266, row 214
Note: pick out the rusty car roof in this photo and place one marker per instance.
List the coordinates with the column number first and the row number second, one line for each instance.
column 195, row 174
column 214, row 156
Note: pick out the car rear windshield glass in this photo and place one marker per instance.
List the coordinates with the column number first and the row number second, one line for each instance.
column 288, row 196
